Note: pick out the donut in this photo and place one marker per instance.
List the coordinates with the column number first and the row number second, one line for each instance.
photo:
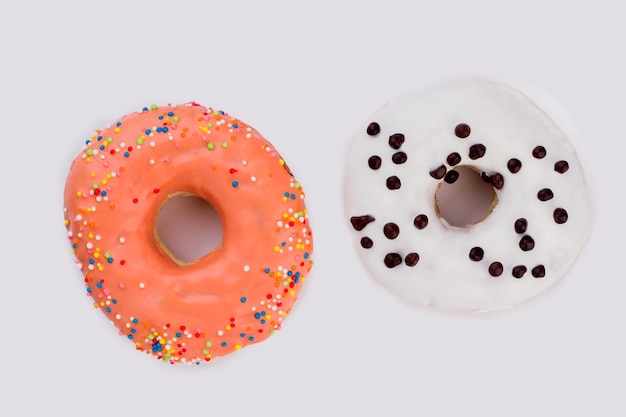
column 187, row 311
column 460, row 146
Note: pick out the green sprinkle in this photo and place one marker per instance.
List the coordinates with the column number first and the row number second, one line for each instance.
column 110, row 140
column 154, row 107
column 224, row 145
column 175, row 119
column 139, row 141
column 205, row 352
column 94, row 186
column 208, row 343
column 211, row 146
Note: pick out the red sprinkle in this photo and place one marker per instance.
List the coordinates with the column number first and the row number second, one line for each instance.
column 156, row 190
column 135, row 200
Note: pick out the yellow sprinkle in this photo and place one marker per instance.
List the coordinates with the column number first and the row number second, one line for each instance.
column 79, row 194
column 237, row 346
column 117, row 130
column 228, row 327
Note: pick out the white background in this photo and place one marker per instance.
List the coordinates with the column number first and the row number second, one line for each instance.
column 306, row 74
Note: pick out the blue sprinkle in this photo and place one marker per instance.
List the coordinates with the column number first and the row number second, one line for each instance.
column 101, row 147
column 99, row 285
column 251, row 338
column 148, row 131
column 114, row 301
column 133, row 330
column 145, row 109
column 170, row 113
column 257, row 316
column 164, row 129
column 262, row 321
column 235, row 184
column 110, row 260
column 126, row 154
column 293, row 196
column 88, row 289
column 130, row 336
column 235, row 125
column 119, row 124
column 306, row 256
column 108, row 309
column 243, row 299
column 267, row 270
column 91, row 261
column 262, row 313
column 158, row 129
column 103, row 193
column 179, row 334
column 99, row 137
column 135, row 321
column 161, row 117
column 224, row 344
column 242, row 335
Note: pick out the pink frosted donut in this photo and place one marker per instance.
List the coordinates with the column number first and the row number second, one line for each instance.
column 424, row 145
column 232, row 297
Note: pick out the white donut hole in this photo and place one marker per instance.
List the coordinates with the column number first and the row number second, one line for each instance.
column 188, row 227
column 467, row 201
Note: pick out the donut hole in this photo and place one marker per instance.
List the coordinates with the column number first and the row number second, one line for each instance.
column 467, row 201
column 188, row 227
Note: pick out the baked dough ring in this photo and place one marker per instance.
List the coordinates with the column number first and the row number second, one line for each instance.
column 234, row 296
column 539, row 219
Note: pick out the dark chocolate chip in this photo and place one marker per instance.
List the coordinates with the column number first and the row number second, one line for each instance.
column 462, row 130
column 451, row 177
column 486, row 178
column 495, row 269
column 420, row 221
column 519, row 271
column 453, row 159
column 539, row 152
column 514, row 165
column 391, row 230
column 392, row 259
column 497, row 180
column 477, row 151
column 561, row 167
column 396, row 140
column 374, row 162
column 412, row 259
column 366, row 242
column 560, row 215
column 476, row 254
column 527, row 243
column 373, row 129
column 521, row 225
column 438, row 172
column 359, row 222
column 545, row 194
column 539, row 271
column 393, row 182
column 399, row 158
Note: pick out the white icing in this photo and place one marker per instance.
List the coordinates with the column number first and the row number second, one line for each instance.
column 510, row 126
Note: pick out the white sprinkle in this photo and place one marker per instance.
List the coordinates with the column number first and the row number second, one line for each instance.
column 152, row 143
column 246, row 268
column 253, row 178
column 244, row 162
column 118, row 316
column 122, row 239
column 142, row 285
column 220, row 332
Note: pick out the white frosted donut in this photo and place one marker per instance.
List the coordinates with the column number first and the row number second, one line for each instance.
column 536, row 221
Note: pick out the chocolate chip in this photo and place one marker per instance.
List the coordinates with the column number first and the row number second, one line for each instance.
column 438, row 172
column 519, row 271
column 497, row 181
column 486, row 178
column 495, row 269
column 514, row 165
column 453, row 159
column 476, row 254
column 391, row 230
column 545, row 194
column 462, row 130
column 539, row 271
column 560, row 215
column 420, row 221
column 477, row 151
column 396, row 140
column 399, row 158
column 526, row 243
column 521, row 225
column 366, row 242
column 539, row 152
column 393, row 182
column 561, row 167
column 412, row 259
column 373, row 129
column 374, row 162
column 451, row 177
column 359, row 222
column 392, row 259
